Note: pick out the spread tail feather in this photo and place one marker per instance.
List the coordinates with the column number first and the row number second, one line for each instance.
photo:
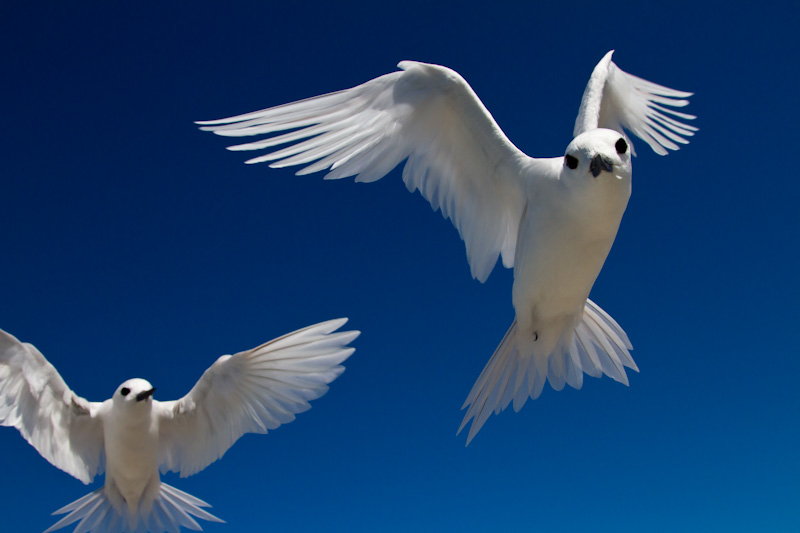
column 597, row 346
column 171, row 510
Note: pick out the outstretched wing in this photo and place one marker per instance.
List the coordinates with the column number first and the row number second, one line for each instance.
column 458, row 158
column 62, row 426
column 250, row 392
column 615, row 100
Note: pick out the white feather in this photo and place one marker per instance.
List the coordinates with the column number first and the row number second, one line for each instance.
column 250, row 392
column 616, row 100
column 62, row 426
column 458, row 158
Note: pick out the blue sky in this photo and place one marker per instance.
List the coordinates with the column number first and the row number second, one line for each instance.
column 136, row 246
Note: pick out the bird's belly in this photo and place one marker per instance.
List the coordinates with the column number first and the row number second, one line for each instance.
column 556, row 270
column 131, row 465
column 133, row 468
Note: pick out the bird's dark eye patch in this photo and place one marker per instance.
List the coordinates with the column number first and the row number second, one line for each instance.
column 571, row 161
column 125, row 391
column 621, row 146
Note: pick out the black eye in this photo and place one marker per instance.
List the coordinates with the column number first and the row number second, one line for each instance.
column 572, row 162
column 125, row 391
column 621, row 146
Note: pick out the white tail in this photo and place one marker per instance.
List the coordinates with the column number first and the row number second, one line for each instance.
column 598, row 346
column 171, row 510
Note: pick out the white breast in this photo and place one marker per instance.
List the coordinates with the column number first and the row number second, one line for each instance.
column 564, row 239
column 131, row 448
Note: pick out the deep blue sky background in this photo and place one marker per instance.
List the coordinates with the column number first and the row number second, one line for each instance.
column 134, row 245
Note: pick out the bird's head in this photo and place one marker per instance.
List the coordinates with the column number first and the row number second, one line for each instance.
column 599, row 152
column 134, row 392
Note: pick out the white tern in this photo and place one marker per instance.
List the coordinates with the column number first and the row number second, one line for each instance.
column 553, row 220
column 132, row 436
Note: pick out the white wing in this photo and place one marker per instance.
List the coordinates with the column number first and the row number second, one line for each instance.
column 615, row 100
column 62, row 426
column 458, row 158
column 250, row 392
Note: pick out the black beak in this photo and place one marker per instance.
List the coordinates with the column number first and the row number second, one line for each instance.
column 600, row 163
column 145, row 395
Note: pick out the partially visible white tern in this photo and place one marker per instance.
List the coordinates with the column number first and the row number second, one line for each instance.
column 133, row 437
column 553, row 220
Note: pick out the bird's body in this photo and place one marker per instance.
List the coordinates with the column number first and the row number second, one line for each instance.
column 561, row 250
column 553, row 220
column 132, row 438
column 567, row 244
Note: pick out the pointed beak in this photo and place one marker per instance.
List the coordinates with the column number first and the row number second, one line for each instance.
column 600, row 163
column 145, row 395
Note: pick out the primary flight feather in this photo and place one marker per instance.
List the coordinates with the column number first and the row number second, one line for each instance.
column 552, row 219
column 132, row 437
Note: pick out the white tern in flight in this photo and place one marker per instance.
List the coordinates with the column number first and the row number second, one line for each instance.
column 553, row 220
column 132, row 436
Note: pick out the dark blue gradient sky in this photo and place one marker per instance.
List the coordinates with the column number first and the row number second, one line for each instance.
column 134, row 245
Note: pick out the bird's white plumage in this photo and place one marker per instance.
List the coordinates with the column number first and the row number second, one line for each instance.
column 553, row 223
column 62, row 426
column 130, row 436
column 616, row 100
column 250, row 392
column 458, row 158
